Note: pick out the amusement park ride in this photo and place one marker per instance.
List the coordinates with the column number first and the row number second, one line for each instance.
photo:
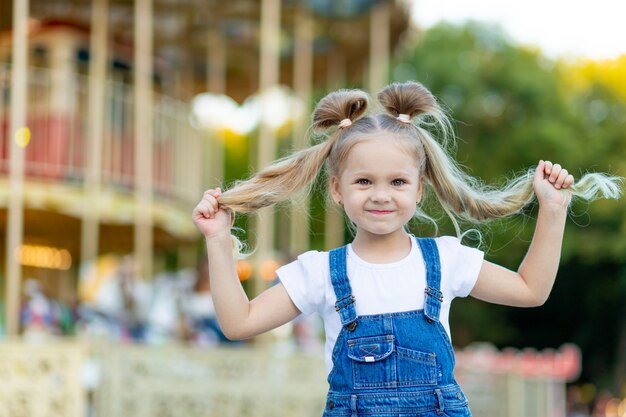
column 97, row 154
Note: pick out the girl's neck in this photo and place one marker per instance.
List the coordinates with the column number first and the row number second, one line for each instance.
column 382, row 248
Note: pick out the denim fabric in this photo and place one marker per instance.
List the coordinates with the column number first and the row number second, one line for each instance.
column 393, row 364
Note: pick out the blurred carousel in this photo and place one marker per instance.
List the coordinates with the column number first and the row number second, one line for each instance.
column 101, row 150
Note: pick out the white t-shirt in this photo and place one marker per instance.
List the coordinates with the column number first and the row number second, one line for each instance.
column 379, row 288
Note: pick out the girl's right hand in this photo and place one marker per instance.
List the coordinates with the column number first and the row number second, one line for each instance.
column 211, row 219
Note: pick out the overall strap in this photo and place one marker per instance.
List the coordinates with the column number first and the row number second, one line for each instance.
column 341, row 285
column 433, row 296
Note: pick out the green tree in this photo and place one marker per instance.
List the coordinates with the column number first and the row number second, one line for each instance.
column 512, row 107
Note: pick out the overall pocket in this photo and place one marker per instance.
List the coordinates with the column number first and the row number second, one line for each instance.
column 372, row 362
column 415, row 368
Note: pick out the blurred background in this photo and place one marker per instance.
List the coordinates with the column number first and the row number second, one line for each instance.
column 116, row 115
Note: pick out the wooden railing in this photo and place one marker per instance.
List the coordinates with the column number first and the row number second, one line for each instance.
column 57, row 120
column 73, row 378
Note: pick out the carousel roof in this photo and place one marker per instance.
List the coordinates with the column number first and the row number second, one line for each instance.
column 181, row 47
column 182, row 28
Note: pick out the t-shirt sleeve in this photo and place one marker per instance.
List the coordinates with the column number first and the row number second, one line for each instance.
column 460, row 265
column 304, row 280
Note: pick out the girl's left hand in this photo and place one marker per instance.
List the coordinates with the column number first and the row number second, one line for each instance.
column 551, row 182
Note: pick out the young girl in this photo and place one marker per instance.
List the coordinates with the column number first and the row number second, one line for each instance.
column 385, row 297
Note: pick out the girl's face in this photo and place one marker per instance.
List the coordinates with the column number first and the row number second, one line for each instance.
column 378, row 186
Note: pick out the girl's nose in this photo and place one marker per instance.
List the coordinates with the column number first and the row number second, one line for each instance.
column 381, row 195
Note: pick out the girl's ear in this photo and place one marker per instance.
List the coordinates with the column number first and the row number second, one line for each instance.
column 335, row 191
column 420, row 187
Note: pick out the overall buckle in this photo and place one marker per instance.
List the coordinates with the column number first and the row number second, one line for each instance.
column 344, row 302
column 434, row 292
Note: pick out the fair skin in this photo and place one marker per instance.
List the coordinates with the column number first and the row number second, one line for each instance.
column 379, row 185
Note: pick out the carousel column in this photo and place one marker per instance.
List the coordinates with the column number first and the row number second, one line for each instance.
column 21, row 135
column 211, row 150
column 379, row 47
column 268, row 77
column 216, row 84
column 334, row 221
column 302, row 80
column 62, row 100
column 143, row 113
column 95, row 131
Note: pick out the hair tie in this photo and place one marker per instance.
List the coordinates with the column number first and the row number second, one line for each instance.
column 345, row 123
column 404, row 118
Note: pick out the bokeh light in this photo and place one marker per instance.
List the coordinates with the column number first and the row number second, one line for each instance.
column 22, row 137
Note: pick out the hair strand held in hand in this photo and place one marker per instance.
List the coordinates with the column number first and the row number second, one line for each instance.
column 425, row 136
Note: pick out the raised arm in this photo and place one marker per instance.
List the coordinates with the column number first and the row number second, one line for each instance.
column 238, row 317
column 530, row 286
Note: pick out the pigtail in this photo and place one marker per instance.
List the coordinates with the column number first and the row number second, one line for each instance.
column 412, row 103
column 337, row 107
column 470, row 200
column 280, row 180
column 465, row 196
column 276, row 182
column 462, row 196
column 410, row 98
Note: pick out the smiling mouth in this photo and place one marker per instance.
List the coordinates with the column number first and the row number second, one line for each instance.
column 380, row 212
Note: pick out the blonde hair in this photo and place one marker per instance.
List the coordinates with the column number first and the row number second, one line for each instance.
column 463, row 197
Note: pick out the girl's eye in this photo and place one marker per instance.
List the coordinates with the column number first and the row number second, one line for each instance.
column 398, row 182
column 363, row 181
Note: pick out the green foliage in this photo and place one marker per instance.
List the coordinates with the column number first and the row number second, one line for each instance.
column 513, row 107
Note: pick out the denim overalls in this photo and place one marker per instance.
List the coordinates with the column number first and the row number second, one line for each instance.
column 393, row 364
